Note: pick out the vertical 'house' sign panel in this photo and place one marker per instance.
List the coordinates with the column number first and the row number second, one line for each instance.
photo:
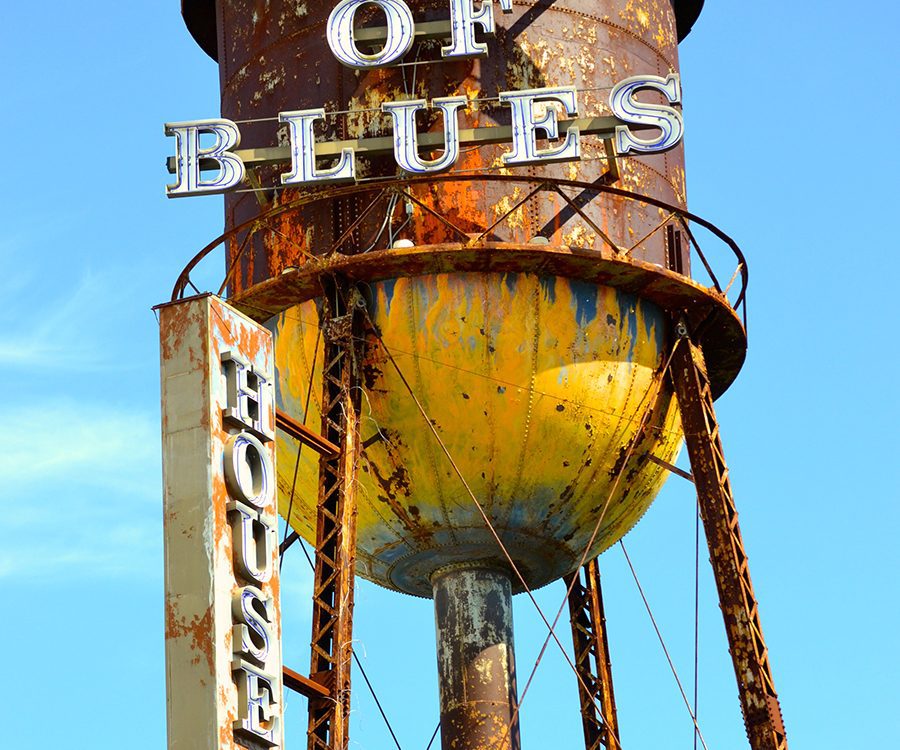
column 223, row 614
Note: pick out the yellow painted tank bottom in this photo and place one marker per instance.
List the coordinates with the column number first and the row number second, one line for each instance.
column 536, row 385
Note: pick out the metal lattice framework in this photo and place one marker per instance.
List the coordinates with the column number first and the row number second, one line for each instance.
column 759, row 701
column 576, row 195
column 595, row 688
column 328, row 686
column 332, row 617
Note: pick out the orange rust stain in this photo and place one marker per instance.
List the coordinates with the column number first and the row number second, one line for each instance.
column 461, row 203
column 226, row 730
column 199, row 630
column 177, row 321
column 219, row 501
column 274, row 585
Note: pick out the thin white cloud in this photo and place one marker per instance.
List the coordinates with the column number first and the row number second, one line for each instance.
column 58, row 331
column 110, row 549
column 81, row 492
column 56, row 313
column 89, row 444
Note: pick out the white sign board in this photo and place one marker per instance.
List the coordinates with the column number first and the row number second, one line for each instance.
column 223, row 612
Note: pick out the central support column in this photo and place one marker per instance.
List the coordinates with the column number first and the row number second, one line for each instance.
column 476, row 661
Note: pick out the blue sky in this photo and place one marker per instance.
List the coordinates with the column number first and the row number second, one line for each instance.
column 791, row 110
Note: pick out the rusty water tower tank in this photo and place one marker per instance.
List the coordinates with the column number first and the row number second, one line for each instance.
column 532, row 347
column 535, row 380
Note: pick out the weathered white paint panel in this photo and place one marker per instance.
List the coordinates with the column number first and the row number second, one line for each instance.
column 200, row 575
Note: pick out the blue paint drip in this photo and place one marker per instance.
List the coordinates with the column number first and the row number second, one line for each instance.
column 628, row 304
column 654, row 325
column 392, row 554
column 525, row 514
column 586, row 302
column 548, row 284
column 518, row 516
column 468, row 291
column 511, row 280
column 388, row 287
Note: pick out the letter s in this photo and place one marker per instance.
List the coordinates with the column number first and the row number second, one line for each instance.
column 252, row 612
column 627, row 108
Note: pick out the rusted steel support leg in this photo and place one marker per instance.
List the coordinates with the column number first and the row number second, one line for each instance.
column 332, row 620
column 759, row 702
column 598, row 702
column 476, row 662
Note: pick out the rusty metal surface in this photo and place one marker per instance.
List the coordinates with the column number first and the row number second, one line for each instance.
column 532, row 360
column 674, row 224
column 595, row 688
column 277, row 59
column 724, row 338
column 669, row 467
column 335, row 542
column 476, row 659
column 304, row 685
column 200, row 18
column 459, row 314
column 759, row 701
column 305, row 435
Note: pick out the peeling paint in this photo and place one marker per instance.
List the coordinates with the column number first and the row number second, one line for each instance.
column 598, row 371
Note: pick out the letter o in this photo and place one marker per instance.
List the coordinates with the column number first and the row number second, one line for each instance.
column 400, row 33
column 248, row 470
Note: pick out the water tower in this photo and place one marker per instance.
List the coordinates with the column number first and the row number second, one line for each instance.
column 484, row 375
